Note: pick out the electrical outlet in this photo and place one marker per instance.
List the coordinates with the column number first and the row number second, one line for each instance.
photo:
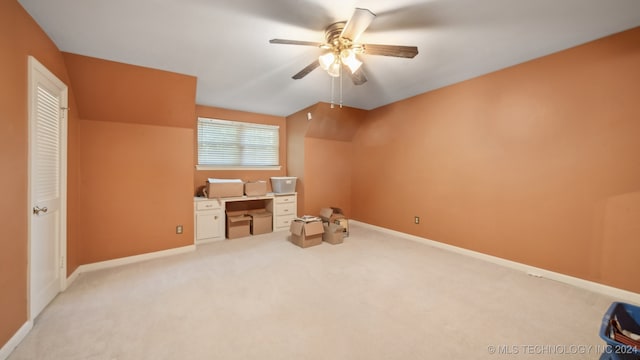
column 179, row 229
column 416, row 219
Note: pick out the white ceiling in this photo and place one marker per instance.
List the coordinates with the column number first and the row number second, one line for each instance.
column 225, row 44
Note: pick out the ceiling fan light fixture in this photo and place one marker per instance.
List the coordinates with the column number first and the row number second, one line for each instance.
column 348, row 58
column 326, row 60
column 334, row 69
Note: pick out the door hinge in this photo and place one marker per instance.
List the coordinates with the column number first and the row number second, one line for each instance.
column 61, row 262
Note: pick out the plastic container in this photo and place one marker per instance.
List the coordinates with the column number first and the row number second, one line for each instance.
column 628, row 317
column 283, row 184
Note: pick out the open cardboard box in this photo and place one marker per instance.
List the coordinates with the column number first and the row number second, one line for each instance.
column 331, row 214
column 238, row 224
column 305, row 234
column 333, row 233
column 334, row 215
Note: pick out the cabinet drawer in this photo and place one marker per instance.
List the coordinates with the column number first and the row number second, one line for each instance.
column 283, row 222
column 286, row 209
column 207, row 205
column 285, row 199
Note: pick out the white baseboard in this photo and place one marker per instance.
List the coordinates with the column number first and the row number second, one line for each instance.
column 71, row 278
column 15, row 340
column 622, row 295
column 127, row 260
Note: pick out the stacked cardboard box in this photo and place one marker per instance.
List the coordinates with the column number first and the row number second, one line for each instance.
column 333, row 233
column 334, row 215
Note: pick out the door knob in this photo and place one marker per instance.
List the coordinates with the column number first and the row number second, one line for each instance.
column 37, row 210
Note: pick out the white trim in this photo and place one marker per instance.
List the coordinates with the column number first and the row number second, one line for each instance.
column 252, row 168
column 15, row 340
column 128, row 260
column 71, row 278
column 617, row 293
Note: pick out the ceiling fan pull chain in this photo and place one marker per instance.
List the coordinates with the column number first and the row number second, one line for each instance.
column 341, row 86
column 333, row 92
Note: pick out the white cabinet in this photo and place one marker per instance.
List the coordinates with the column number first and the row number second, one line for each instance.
column 209, row 220
column 209, row 214
column 284, row 210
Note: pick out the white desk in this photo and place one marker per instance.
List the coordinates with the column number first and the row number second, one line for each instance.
column 209, row 214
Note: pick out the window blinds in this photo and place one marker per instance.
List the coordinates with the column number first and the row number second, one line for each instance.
column 234, row 143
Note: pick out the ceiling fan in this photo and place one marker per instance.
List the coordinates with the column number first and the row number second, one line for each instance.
column 342, row 48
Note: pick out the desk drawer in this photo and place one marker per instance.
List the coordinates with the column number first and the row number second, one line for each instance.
column 283, row 222
column 286, row 209
column 285, row 199
column 207, row 205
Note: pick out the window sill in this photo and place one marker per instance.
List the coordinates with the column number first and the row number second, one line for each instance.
column 251, row 168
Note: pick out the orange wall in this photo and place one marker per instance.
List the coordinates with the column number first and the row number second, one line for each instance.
column 320, row 155
column 327, row 179
column 537, row 163
column 200, row 176
column 297, row 126
column 117, row 92
column 135, row 145
column 20, row 36
column 136, row 187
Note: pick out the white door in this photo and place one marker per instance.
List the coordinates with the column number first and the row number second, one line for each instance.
column 47, row 186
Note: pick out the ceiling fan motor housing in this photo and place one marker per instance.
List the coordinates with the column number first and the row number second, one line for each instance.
column 335, row 41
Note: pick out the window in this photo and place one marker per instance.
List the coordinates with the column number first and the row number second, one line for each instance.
column 234, row 144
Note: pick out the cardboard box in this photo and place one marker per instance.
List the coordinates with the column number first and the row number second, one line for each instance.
column 333, row 233
column 262, row 222
column 256, row 188
column 344, row 224
column 218, row 188
column 305, row 234
column 335, row 215
column 330, row 215
column 238, row 224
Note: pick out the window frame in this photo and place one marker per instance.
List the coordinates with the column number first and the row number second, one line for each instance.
column 234, row 167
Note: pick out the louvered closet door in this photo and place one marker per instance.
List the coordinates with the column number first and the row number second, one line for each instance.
column 46, row 118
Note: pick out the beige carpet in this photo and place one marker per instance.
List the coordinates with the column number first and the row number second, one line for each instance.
column 374, row 297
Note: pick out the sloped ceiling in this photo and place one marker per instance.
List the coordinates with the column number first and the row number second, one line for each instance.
column 225, row 44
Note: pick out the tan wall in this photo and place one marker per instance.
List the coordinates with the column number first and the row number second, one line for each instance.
column 200, row 176
column 135, row 149
column 537, row 163
column 20, row 37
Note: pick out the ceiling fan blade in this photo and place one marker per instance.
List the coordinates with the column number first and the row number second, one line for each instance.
column 390, row 50
column 357, row 77
column 295, row 42
column 358, row 23
column 309, row 68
